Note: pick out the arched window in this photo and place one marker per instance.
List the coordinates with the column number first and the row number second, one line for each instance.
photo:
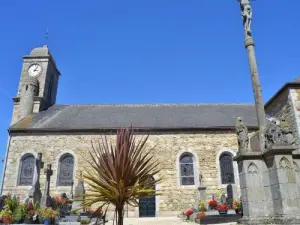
column 26, row 170
column 65, row 170
column 226, row 168
column 187, row 170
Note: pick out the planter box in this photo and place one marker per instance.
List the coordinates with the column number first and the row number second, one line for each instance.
column 222, row 212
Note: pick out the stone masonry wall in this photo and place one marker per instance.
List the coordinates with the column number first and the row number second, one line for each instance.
column 205, row 146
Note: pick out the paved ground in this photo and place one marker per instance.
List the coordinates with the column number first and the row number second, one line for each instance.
column 159, row 221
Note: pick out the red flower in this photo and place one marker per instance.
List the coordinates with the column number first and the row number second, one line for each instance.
column 213, row 203
column 189, row 212
column 222, row 207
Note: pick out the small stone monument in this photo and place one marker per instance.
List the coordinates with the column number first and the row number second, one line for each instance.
column 223, row 199
column 35, row 192
column 229, row 195
column 46, row 199
column 79, row 191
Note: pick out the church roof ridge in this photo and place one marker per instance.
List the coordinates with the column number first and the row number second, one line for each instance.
column 156, row 104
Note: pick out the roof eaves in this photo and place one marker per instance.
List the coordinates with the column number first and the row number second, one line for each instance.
column 282, row 89
column 137, row 129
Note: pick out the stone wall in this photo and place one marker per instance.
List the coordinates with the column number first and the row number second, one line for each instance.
column 205, row 147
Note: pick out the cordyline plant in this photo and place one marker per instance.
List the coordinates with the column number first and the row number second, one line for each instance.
column 120, row 174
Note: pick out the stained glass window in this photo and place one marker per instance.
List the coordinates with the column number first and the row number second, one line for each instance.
column 187, row 170
column 66, row 167
column 226, row 166
column 26, row 171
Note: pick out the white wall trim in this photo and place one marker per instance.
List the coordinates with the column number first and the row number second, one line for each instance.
column 196, row 168
column 235, row 167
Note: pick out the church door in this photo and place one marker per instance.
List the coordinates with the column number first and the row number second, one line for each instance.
column 147, row 206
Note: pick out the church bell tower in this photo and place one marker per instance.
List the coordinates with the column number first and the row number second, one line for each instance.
column 38, row 84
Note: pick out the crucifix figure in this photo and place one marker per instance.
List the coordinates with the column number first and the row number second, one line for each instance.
column 200, row 179
column 247, row 15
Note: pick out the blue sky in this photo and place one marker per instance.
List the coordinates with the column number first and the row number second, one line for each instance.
column 157, row 51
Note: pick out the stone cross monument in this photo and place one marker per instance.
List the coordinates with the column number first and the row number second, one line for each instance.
column 35, row 191
column 46, row 199
column 246, row 12
column 268, row 176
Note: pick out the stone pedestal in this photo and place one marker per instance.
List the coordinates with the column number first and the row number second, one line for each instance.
column 269, row 187
column 78, row 199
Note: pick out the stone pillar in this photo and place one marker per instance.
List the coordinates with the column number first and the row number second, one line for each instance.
column 283, row 184
column 259, row 105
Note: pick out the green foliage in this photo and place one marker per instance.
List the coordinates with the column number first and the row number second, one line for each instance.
column 85, row 221
column 46, row 213
column 202, row 207
column 120, row 174
column 19, row 213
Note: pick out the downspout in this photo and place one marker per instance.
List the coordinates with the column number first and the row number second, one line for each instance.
column 5, row 162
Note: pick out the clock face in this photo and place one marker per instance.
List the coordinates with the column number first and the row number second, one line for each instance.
column 35, row 70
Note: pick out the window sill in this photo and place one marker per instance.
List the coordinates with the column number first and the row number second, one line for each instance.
column 188, row 187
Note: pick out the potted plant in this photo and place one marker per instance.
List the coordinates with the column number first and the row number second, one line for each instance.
column 46, row 214
column 213, row 204
column 200, row 216
column 223, row 208
column 6, row 216
column 188, row 213
column 202, row 207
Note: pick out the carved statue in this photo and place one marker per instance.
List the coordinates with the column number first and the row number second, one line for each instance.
column 279, row 135
column 200, row 179
column 242, row 134
column 246, row 15
column 287, row 132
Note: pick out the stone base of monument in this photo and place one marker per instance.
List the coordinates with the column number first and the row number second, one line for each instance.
column 286, row 220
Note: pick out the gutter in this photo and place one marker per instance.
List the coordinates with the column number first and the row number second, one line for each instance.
column 113, row 129
column 5, row 163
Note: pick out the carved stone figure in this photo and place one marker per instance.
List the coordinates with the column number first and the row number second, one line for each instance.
column 287, row 132
column 279, row 135
column 35, row 191
column 200, row 179
column 246, row 15
column 242, row 134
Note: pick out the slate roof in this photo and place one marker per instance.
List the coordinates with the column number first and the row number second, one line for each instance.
column 143, row 116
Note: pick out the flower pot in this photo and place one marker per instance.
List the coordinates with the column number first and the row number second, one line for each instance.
column 46, row 221
column 237, row 211
column 7, row 220
column 222, row 212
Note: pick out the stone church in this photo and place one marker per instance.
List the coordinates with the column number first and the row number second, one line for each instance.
column 192, row 140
